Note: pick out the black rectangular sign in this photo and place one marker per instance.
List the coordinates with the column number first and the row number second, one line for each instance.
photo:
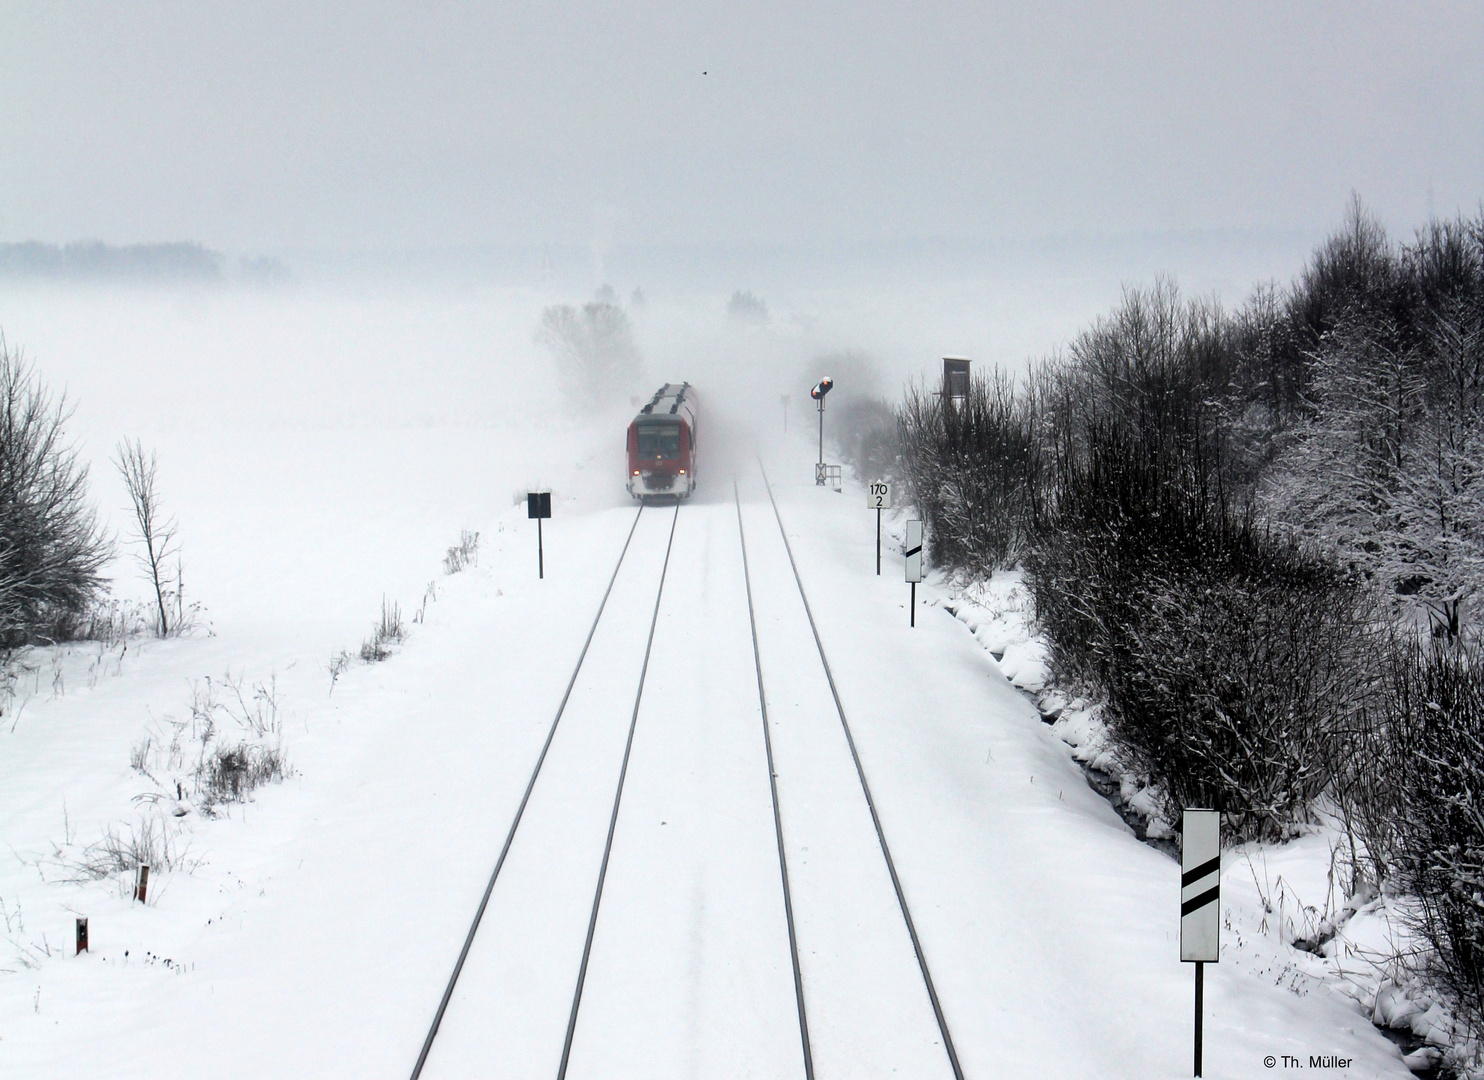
column 538, row 504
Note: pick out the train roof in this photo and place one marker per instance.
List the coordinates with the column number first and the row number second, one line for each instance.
column 672, row 399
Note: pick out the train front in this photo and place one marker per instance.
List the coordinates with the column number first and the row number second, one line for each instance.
column 660, row 457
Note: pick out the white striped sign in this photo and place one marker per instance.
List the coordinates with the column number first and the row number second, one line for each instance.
column 1200, row 886
column 913, row 550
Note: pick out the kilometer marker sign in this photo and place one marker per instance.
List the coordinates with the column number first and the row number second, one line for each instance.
column 878, row 498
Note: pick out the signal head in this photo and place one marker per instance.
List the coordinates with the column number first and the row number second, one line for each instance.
column 821, row 388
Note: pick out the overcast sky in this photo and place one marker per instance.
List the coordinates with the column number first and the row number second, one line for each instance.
column 270, row 126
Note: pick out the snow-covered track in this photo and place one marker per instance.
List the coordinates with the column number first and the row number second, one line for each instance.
column 762, row 697
column 865, row 789
column 526, row 797
column 623, row 772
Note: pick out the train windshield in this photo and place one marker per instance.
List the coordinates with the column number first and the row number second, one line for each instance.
column 659, row 441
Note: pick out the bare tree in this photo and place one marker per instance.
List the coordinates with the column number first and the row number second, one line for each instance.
column 594, row 350
column 1390, row 470
column 51, row 549
column 156, row 533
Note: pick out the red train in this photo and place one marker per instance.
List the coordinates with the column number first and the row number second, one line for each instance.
column 662, row 445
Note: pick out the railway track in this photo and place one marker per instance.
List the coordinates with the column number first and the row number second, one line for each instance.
column 631, row 1006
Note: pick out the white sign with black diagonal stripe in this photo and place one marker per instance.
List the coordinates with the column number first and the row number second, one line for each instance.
column 1200, row 886
column 913, row 550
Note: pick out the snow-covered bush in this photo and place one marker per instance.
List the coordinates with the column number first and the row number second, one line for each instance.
column 1419, row 804
column 464, row 553
column 972, row 469
column 389, row 631
column 1390, row 468
column 52, row 550
column 230, row 772
column 1224, row 656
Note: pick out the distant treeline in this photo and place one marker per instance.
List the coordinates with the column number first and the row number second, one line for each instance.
column 93, row 260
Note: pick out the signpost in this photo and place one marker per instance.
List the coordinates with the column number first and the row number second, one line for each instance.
column 821, row 388
column 538, row 506
column 1200, row 902
column 878, row 498
column 913, row 551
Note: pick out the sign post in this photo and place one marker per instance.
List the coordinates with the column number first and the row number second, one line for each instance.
column 82, row 936
column 878, row 498
column 913, row 551
column 538, row 506
column 1200, row 902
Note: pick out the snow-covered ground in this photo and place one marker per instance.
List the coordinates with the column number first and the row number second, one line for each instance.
column 310, row 930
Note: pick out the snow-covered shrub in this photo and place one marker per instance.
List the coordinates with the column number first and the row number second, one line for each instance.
column 1425, row 763
column 388, row 632
column 464, row 553
column 52, row 550
column 1390, row 469
column 231, row 772
column 227, row 769
column 151, row 842
column 1225, row 657
column 972, row 469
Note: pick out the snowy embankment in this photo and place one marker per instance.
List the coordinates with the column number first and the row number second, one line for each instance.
column 1287, row 917
column 309, row 930
column 312, row 928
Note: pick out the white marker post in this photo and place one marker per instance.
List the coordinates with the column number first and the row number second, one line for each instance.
column 878, row 498
column 1200, row 901
column 913, row 551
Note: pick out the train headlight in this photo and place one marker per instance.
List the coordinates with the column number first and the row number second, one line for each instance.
column 682, row 472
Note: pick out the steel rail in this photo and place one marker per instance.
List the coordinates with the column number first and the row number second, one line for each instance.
column 592, row 922
column 422, row 1057
column 860, row 772
column 762, row 700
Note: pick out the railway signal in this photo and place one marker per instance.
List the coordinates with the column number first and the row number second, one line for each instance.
column 538, row 506
column 1200, row 901
column 913, row 550
column 821, row 388
column 878, row 498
